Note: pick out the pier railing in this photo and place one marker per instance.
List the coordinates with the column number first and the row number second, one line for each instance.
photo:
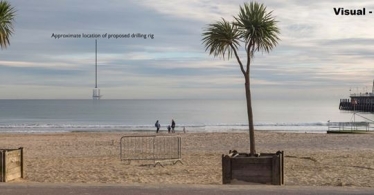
column 366, row 94
column 153, row 148
column 349, row 126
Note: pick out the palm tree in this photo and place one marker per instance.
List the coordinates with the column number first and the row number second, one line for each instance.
column 6, row 18
column 256, row 28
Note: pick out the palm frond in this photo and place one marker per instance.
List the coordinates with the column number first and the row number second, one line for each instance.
column 7, row 14
column 221, row 38
column 257, row 27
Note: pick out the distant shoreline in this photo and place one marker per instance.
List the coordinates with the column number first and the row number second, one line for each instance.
column 162, row 132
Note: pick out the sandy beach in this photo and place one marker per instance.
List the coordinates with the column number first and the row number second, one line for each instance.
column 91, row 157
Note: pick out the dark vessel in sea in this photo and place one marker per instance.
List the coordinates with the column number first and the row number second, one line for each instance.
column 363, row 102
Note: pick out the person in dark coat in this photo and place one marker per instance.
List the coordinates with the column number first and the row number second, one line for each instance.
column 157, row 125
column 172, row 125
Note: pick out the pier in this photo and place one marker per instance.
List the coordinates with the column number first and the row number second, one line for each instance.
column 358, row 103
column 363, row 102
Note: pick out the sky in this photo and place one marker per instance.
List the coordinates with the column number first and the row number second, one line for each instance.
column 320, row 56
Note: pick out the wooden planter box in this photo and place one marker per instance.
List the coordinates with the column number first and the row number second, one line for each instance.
column 266, row 169
column 11, row 164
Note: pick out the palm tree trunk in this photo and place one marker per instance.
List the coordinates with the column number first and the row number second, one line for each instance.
column 250, row 116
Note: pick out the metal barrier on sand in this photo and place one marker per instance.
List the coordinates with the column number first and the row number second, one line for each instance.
column 154, row 148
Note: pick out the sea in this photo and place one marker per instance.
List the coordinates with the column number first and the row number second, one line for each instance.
column 206, row 115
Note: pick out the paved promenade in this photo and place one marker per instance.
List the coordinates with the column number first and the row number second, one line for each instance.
column 64, row 189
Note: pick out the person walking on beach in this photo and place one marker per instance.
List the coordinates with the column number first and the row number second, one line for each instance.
column 172, row 125
column 157, row 125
